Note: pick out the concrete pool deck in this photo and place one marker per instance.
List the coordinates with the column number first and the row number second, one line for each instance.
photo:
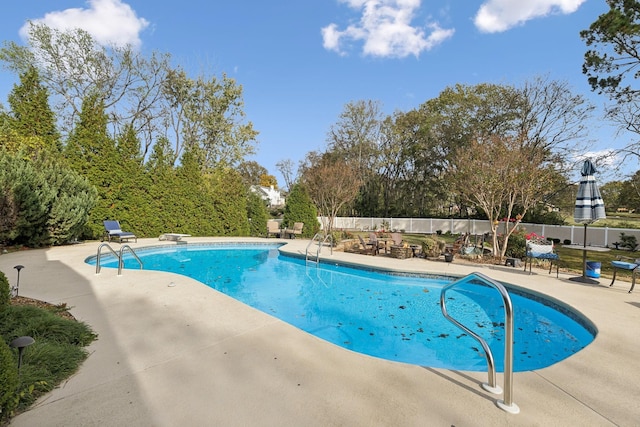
column 188, row 355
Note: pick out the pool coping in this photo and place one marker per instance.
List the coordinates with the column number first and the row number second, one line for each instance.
column 168, row 355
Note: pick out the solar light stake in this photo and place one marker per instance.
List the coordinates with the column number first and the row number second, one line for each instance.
column 20, row 343
column 18, row 267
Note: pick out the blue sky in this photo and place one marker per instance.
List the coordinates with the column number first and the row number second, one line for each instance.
column 301, row 61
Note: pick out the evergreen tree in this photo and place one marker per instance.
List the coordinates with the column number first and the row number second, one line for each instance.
column 24, row 191
column 185, row 215
column 257, row 214
column 91, row 152
column 31, row 116
column 227, row 197
column 300, row 208
column 163, row 199
column 47, row 203
column 130, row 185
column 72, row 199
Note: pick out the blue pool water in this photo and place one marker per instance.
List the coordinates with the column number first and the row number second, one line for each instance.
column 391, row 316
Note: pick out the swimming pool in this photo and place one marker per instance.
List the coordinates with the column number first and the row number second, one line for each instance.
column 391, row 316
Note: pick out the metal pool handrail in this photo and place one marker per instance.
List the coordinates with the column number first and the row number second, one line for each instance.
column 119, row 255
column 121, row 261
column 98, row 267
column 506, row 404
column 318, row 237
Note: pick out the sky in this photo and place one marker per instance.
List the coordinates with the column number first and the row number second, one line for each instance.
column 301, row 61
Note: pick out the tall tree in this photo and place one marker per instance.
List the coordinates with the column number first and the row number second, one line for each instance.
column 130, row 184
column 630, row 192
column 331, row 184
column 251, row 171
column 267, row 180
column 73, row 65
column 146, row 93
column 257, row 214
column 300, row 208
column 612, row 62
column 91, row 151
column 206, row 114
column 611, row 194
column 355, row 139
column 505, row 177
column 162, row 188
column 286, row 169
column 31, row 116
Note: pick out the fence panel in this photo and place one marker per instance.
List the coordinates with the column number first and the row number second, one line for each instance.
column 596, row 236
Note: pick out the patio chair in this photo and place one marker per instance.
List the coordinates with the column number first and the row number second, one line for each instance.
column 537, row 249
column 628, row 264
column 373, row 239
column 113, row 230
column 296, row 230
column 397, row 239
column 273, row 229
column 368, row 247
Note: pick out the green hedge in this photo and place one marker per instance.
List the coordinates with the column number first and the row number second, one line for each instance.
column 8, row 380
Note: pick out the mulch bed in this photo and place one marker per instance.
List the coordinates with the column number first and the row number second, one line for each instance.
column 59, row 309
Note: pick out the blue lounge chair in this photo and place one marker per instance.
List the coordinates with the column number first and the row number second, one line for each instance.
column 112, row 230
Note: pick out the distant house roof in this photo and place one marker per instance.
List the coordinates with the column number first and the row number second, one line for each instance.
column 270, row 194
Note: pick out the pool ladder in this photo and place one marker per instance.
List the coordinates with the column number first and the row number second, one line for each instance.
column 321, row 239
column 506, row 404
column 119, row 255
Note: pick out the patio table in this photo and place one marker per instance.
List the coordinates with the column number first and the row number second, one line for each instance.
column 585, row 249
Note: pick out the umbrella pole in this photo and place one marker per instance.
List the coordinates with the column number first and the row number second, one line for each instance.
column 584, row 253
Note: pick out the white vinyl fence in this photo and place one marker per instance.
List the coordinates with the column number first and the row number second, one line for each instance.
column 596, row 236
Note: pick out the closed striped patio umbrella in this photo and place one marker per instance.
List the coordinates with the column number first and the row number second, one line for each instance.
column 589, row 203
column 589, row 209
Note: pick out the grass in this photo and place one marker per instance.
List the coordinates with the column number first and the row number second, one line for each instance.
column 614, row 220
column 571, row 259
column 55, row 355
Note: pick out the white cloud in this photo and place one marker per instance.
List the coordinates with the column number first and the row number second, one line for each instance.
column 108, row 21
column 500, row 15
column 385, row 30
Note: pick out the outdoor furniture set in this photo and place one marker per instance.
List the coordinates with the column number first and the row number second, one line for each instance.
column 273, row 229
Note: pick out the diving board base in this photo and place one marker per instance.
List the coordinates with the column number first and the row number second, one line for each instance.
column 174, row 237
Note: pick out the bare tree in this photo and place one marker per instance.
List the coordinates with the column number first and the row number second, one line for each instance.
column 285, row 167
column 331, row 184
column 552, row 117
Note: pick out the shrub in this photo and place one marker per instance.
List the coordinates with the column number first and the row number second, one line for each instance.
column 432, row 247
column 56, row 354
column 629, row 242
column 5, row 291
column 517, row 245
column 337, row 236
column 8, row 380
